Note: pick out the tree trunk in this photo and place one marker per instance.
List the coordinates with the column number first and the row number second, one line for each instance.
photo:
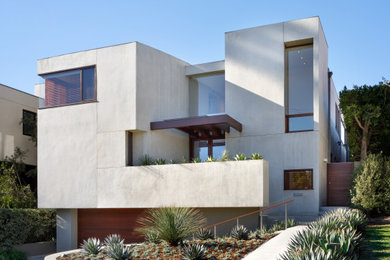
column 365, row 141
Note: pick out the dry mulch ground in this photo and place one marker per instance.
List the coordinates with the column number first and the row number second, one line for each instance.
column 220, row 248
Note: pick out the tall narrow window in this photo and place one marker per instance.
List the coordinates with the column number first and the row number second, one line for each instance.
column 29, row 123
column 299, row 94
column 338, row 119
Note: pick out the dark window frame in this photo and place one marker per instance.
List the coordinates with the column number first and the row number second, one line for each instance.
column 286, row 172
column 81, row 85
column 286, row 83
column 210, row 146
column 25, row 130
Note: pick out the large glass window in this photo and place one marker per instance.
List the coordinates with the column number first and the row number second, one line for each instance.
column 205, row 148
column 298, row 179
column 299, row 101
column 70, row 87
column 208, row 94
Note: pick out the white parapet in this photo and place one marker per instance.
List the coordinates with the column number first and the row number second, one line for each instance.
column 214, row 184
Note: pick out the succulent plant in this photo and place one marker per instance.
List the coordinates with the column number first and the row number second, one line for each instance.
column 240, row 232
column 256, row 156
column 119, row 252
column 194, row 252
column 196, row 160
column 225, row 156
column 152, row 237
column 204, row 234
column 160, row 161
column 210, row 159
column 113, row 239
column 240, row 157
column 172, row 162
column 146, row 160
column 92, row 246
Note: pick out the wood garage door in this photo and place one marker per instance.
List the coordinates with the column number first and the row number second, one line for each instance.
column 102, row 222
column 339, row 182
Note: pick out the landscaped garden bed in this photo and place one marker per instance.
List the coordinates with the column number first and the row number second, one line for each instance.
column 220, row 248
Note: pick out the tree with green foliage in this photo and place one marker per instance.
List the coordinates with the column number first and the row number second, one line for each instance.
column 371, row 185
column 366, row 111
column 13, row 192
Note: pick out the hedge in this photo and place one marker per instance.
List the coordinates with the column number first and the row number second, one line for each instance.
column 20, row 226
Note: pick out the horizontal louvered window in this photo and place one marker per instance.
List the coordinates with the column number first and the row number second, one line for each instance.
column 70, row 87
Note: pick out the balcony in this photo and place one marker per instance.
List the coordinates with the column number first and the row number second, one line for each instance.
column 214, row 184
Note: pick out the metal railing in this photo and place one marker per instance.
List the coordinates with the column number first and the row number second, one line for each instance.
column 260, row 211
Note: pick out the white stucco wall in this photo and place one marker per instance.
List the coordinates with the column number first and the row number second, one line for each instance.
column 12, row 103
column 255, row 87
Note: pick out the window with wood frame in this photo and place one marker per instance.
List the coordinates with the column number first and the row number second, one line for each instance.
column 299, row 88
column 203, row 149
column 301, row 179
column 70, row 87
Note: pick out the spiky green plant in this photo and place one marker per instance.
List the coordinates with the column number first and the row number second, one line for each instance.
column 119, row 252
column 291, row 222
column 210, row 159
column 194, row 252
column 239, row 232
column 172, row 224
column 152, row 238
column 160, row 161
column 92, row 246
column 256, row 156
column 225, row 156
column 172, row 162
column 240, row 157
column 204, row 234
column 113, row 239
column 184, row 160
column 196, row 160
column 146, row 160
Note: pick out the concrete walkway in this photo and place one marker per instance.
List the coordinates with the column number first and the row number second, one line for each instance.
column 275, row 247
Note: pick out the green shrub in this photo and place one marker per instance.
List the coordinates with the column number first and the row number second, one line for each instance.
column 371, row 185
column 12, row 255
column 171, row 224
column 210, row 159
column 20, row 226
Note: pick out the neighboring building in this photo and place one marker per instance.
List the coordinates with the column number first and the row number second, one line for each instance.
column 106, row 108
column 14, row 106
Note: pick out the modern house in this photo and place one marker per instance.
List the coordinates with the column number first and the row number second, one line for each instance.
column 106, row 108
column 16, row 105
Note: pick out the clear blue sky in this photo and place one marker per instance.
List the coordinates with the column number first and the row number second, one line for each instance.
column 357, row 32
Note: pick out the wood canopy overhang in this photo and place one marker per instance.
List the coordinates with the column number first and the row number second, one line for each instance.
column 201, row 127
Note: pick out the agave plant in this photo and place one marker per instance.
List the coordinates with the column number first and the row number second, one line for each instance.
column 196, row 160
column 172, row 224
column 152, row 238
column 92, row 246
column 112, row 240
column 119, row 252
column 240, row 157
column 160, row 161
column 172, row 162
column 146, row 160
column 194, row 252
column 256, row 156
column 204, row 234
column 240, row 233
column 210, row 159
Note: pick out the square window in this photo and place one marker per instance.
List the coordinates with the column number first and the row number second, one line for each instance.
column 298, row 179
